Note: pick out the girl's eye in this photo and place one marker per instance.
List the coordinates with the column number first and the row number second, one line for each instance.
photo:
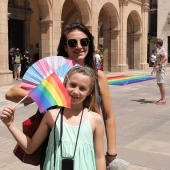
column 72, row 85
column 82, row 88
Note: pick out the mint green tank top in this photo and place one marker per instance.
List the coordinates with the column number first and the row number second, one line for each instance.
column 84, row 158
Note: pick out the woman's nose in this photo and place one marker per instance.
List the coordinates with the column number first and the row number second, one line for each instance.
column 79, row 44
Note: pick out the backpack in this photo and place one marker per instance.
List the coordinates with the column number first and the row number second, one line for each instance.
column 17, row 59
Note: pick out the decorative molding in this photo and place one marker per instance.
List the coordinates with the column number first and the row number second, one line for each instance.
column 145, row 7
column 115, row 32
column 135, row 35
column 123, row 2
column 46, row 23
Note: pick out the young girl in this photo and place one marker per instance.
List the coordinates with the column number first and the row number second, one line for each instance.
column 76, row 133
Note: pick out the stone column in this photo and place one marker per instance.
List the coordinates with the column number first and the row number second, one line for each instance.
column 137, row 51
column 145, row 10
column 106, row 52
column 123, row 36
column 114, row 50
column 6, row 76
column 95, row 22
column 46, row 38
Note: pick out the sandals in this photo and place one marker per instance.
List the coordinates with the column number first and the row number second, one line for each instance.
column 160, row 102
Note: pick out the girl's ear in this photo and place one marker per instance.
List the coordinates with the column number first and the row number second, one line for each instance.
column 89, row 92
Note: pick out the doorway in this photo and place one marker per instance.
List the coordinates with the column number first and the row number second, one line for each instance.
column 15, row 38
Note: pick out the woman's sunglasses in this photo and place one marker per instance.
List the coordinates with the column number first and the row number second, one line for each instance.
column 73, row 42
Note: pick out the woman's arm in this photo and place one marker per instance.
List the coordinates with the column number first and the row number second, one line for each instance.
column 98, row 136
column 29, row 145
column 16, row 93
column 108, row 114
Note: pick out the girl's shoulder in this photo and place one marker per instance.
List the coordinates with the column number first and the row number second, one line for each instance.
column 96, row 120
column 53, row 112
column 50, row 116
column 96, row 117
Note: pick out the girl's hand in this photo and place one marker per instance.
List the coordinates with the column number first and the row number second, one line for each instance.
column 7, row 116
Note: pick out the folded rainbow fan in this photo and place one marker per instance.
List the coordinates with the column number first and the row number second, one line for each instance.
column 43, row 68
column 50, row 92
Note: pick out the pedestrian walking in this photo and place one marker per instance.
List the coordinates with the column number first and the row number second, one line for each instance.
column 152, row 61
column 27, row 58
column 17, row 64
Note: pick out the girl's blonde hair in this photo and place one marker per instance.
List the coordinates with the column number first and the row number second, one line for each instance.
column 91, row 100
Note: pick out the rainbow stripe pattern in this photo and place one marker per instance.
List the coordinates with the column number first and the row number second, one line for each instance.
column 41, row 69
column 50, row 92
column 124, row 80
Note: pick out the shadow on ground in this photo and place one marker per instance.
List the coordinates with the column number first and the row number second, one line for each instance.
column 143, row 101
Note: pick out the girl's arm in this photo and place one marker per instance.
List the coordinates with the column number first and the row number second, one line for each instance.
column 16, row 93
column 29, row 145
column 108, row 115
column 98, row 136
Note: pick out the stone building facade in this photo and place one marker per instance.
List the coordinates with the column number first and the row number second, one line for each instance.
column 119, row 28
column 159, row 25
column 163, row 25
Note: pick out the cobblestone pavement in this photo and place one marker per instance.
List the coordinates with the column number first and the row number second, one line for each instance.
column 142, row 126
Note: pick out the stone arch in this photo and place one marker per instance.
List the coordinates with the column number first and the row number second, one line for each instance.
column 133, row 40
column 75, row 11
column 109, row 35
column 49, row 19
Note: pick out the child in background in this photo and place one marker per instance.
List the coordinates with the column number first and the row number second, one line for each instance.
column 97, row 59
column 77, row 136
column 152, row 60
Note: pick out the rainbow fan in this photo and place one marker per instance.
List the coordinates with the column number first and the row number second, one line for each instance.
column 50, row 92
column 43, row 68
column 124, row 80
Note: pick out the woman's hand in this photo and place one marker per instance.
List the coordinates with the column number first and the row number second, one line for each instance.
column 109, row 159
column 7, row 116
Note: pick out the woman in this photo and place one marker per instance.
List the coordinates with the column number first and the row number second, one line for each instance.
column 76, row 43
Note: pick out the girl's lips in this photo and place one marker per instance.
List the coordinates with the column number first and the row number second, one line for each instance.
column 75, row 97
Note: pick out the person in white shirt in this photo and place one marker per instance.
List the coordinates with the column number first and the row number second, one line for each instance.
column 152, row 60
column 97, row 59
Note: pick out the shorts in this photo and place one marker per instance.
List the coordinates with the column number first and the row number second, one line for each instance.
column 160, row 76
column 17, row 67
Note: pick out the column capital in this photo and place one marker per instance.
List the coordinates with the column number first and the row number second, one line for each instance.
column 44, row 23
column 115, row 32
column 145, row 7
column 123, row 2
column 136, row 35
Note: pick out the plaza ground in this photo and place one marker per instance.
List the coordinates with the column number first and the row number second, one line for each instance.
column 142, row 126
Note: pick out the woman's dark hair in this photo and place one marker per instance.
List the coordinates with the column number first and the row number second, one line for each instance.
column 89, row 61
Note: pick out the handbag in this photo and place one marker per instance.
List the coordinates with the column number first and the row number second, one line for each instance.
column 29, row 128
column 118, row 164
